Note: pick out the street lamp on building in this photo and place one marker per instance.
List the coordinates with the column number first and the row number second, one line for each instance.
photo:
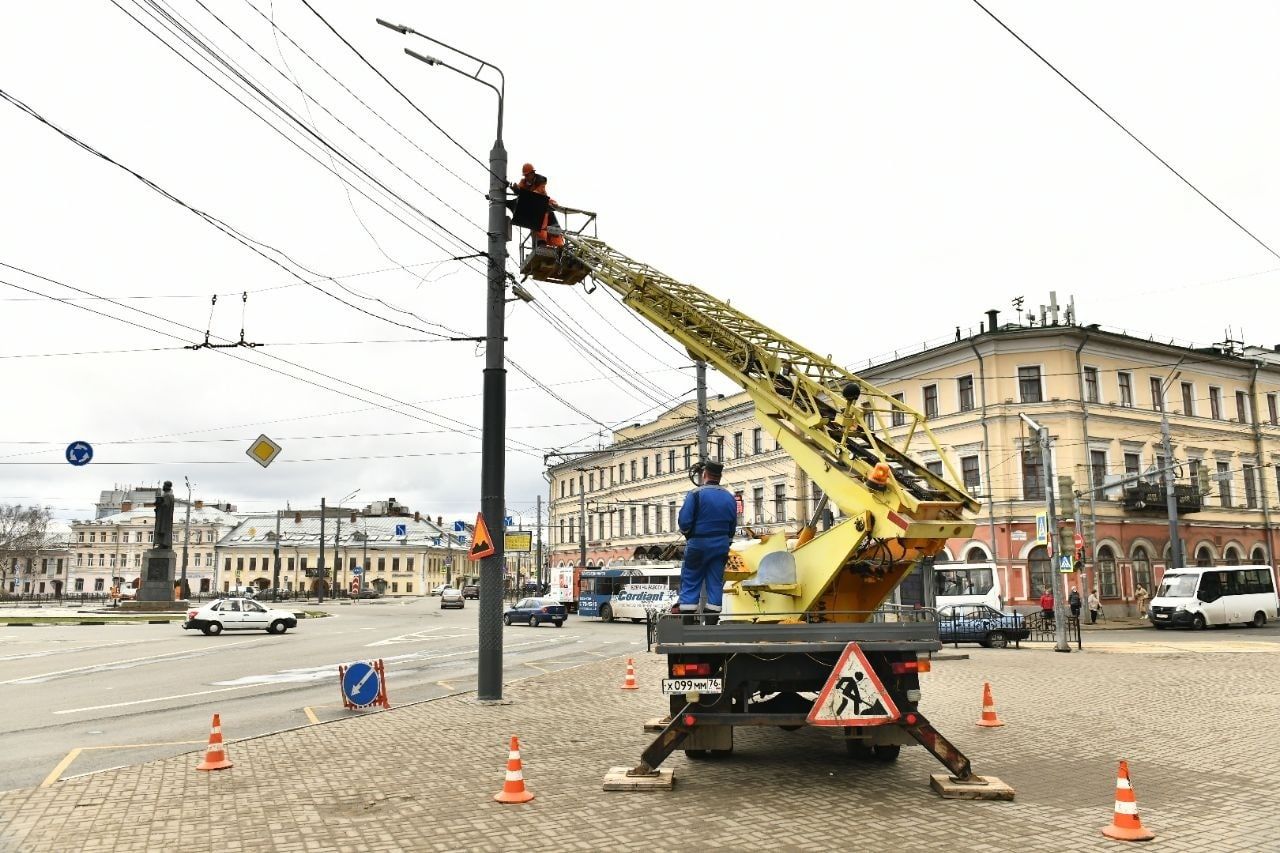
column 493, row 430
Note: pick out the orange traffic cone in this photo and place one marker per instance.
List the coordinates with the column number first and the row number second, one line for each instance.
column 1125, row 825
column 630, row 683
column 513, row 789
column 989, row 719
column 215, row 757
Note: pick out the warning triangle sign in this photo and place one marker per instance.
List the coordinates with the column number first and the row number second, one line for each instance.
column 482, row 543
column 853, row 695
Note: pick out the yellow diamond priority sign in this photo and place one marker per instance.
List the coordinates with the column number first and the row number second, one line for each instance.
column 263, row 451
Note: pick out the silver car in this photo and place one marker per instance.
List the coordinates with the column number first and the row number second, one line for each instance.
column 450, row 597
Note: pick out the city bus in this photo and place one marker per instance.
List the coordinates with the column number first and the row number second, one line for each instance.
column 628, row 592
column 1197, row 597
column 967, row 583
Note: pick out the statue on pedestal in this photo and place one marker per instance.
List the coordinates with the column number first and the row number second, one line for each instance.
column 163, row 534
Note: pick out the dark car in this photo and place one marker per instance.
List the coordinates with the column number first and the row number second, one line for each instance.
column 978, row 623
column 367, row 593
column 471, row 591
column 535, row 611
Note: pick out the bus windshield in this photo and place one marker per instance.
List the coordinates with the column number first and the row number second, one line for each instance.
column 951, row 581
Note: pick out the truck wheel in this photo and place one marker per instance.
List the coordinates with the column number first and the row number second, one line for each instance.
column 606, row 613
column 885, row 753
column 1198, row 622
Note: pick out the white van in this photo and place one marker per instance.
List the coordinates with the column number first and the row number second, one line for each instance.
column 1216, row 595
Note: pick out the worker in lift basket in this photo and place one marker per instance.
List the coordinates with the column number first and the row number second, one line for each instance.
column 707, row 520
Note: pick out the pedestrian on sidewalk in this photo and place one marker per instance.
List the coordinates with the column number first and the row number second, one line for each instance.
column 1073, row 600
column 1046, row 606
column 1094, row 606
column 1140, row 596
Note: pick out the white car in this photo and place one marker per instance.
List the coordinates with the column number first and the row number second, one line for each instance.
column 239, row 614
column 440, row 589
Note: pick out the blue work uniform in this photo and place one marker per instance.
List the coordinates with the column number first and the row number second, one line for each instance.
column 707, row 519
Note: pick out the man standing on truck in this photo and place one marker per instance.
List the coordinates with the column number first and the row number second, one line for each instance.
column 707, row 520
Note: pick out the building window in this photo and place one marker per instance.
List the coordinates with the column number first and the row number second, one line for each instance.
column 1250, row 487
column 897, row 417
column 1231, row 557
column 969, row 472
column 644, row 513
column 633, row 469
column 1204, row 557
column 1215, row 403
column 935, row 467
column 1272, row 414
column 395, row 564
column 780, row 502
column 635, row 528
column 563, row 488
column 931, row 401
column 1091, row 384
column 1157, row 394
column 79, row 584
column 737, row 445
column 1107, row 572
column 1040, row 568
column 657, row 464
column 408, row 587
column 757, row 440
column 657, row 518
column 239, row 564
column 382, row 564
column 1126, row 389
column 964, row 390
column 1188, row 399
column 757, row 504
column 1132, row 464
column 573, row 485
column 1193, row 468
column 1032, row 475
column 98, row 584
column 591, row 481
column 1141, row 568
column 1029, row 385
column 1224, row 483
column 688, row 457
column 622, row 472
column 673, row 515
column 80, row 536
column 1098, row 466
column 1242, row 407
column 93, row 536
column 644, row 467
column 720, row 447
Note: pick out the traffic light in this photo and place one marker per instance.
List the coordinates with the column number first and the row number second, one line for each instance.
column 1066, row 496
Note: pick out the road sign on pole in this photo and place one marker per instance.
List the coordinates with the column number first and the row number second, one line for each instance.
column 363, row 684
column 79, row 453
column 402, row 530
column 482, row 545
column 1065, row 566
column 459, row 526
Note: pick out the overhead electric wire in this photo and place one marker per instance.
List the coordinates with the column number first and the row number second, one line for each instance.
column 360, row 100
column 238, row 236
column 466, row 429
column 245, row 81
column 1126, row 130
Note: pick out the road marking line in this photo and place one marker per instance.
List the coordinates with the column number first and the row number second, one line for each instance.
column 445, row 685
column 155, row 699
column 311, row 715
column 189, row 652
column 62, row 766
column 538, row 668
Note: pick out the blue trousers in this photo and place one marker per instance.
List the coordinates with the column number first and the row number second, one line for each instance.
column 704, row 559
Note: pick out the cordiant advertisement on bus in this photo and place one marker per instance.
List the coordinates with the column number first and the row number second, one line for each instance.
column 636, row 600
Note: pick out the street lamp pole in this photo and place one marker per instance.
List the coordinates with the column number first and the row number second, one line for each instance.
column 186, row 541
column 493, row 427
column 1171, row 499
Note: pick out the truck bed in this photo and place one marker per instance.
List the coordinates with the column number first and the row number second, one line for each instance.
column 672, row 636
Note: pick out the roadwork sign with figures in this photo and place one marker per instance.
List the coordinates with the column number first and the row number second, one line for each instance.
column 853, row 695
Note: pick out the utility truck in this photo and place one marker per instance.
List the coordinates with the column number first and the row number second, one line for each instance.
column 807, row 635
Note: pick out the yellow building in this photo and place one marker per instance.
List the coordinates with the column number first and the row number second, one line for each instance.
column 1100, row 393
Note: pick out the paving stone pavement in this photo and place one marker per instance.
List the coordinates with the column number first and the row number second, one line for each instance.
column 1196, row 726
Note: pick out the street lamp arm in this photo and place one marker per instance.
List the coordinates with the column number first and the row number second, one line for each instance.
column 410, row 31
column 431, row 60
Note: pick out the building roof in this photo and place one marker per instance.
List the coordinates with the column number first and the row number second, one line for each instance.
column 199, row 515
column 256, row 531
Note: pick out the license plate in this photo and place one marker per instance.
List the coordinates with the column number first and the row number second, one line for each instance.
column 672, row 686
column 1162, row 615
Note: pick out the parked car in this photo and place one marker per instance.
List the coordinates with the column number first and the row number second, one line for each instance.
column 367, row 592
column 450, row 597
column 439, row 589
column 471, row 591
column 978, row 623
column 238, row 614
column 534, row 611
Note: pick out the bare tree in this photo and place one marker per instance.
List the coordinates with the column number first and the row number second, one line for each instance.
column 22, row 535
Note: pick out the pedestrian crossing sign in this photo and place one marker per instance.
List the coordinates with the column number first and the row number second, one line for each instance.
column 1064, row 565
column 853, row 695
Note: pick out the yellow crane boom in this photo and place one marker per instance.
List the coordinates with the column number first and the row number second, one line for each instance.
column 852, row 439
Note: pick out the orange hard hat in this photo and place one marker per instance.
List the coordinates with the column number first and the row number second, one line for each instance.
column 526, row 168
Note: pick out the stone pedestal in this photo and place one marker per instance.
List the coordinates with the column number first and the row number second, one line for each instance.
column 178, row 606
column 158, row 565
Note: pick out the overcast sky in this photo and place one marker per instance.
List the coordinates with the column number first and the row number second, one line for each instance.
column 862, row 176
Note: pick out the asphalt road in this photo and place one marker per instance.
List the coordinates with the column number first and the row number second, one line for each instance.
column 84, row 698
